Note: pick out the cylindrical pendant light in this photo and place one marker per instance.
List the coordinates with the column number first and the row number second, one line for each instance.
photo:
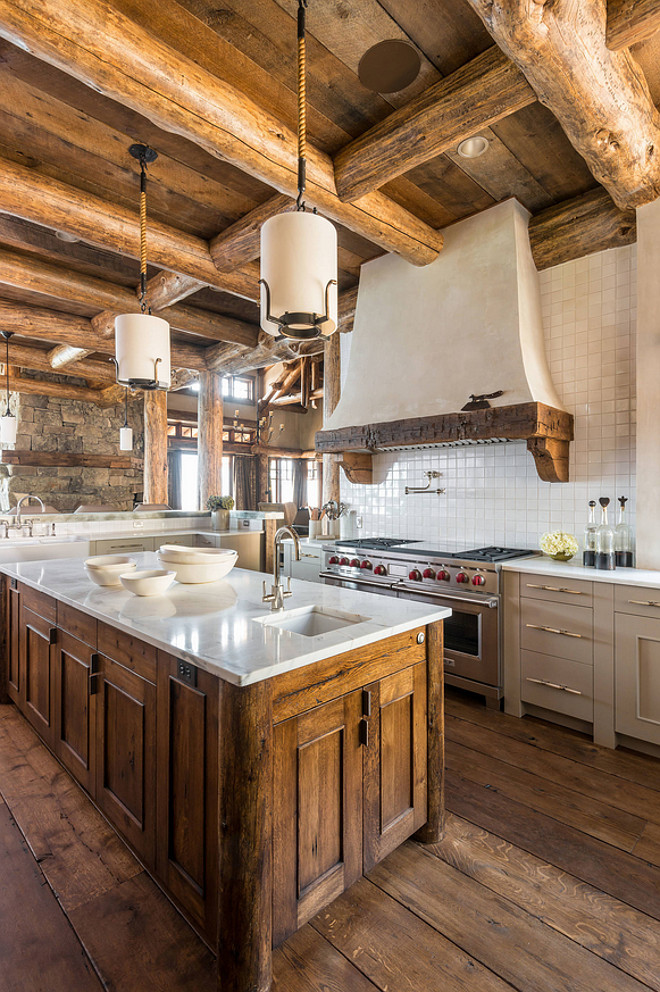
column 299, row 250
column 142, row 341
column 125, row 432
column 8, row 424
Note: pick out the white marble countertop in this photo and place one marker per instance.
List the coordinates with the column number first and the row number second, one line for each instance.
column 215, row 626
column 568, row 570
column 166, row 535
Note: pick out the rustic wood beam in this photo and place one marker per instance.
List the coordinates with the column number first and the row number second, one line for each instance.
column 478, row 94
column 579, row 227
column 240, row 242
column 631, row 21
column 66, row 459
column 297, row 399
column 210, row 421
column 38, row 360
column 347, row 307
column 53, row 326
column 40, row 387
column 126, row 63
column 600, row 97
column 155, row 446
column 235, row 360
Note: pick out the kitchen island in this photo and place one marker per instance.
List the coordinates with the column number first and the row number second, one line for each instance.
column 255, row 770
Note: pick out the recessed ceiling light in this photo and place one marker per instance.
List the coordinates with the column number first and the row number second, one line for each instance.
column 65, row 236
column 389, row 66
column 473, row 147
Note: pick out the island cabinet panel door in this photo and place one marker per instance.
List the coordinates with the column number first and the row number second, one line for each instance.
column 317, row 844
column 38, row 650
column 126, row 758
column 394, row 762
column 15, row 684
column 75, row 711
column 188, row 789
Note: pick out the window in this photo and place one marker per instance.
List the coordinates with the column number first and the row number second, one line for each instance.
column 227, row 476
column 189, row 490
column 238, row 387
column 313, row 491
column 281, row 480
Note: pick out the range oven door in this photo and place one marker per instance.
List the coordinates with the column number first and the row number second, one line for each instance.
column 471, row 637
column 380, row 589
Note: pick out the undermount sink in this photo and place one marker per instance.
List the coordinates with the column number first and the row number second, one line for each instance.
column 310, row 621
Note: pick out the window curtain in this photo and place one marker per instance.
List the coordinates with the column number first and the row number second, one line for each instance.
column 174, row 479
column 245, row 482
column 299, row 482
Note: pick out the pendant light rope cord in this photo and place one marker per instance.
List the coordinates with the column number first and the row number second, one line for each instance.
column 143, row 235
column 302, row 105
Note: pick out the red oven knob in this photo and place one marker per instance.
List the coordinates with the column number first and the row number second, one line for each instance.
column 333, row 560
column 415, row 575
column 355, row 562
column 380, row 570
column 428, row 573
column 443, row 576
column 366, row 564
column 462, row 577
column 479, row 580
column 343, row 561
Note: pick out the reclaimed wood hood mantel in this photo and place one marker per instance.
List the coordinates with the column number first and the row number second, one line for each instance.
column 547, row 431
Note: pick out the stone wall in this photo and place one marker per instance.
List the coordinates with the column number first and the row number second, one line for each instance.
column 47, row 423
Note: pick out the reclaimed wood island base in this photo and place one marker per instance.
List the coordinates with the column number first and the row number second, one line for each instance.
column 253, row 806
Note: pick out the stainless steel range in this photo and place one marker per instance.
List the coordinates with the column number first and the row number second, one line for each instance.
column 468, row 581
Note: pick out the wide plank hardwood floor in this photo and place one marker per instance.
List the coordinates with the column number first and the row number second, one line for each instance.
column 547, row 880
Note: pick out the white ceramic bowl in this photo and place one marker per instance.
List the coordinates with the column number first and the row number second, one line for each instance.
column 211, row 570
column 147, row 581
column 193, row 556
column 105, row 570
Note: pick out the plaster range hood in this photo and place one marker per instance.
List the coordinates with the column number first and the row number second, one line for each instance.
column 426, row 339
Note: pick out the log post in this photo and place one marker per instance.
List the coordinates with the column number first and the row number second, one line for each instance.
column 433, row 829
column 210, row 418
column 245, row 838
column 155, row 446
column 5, row 638
column 331, row 393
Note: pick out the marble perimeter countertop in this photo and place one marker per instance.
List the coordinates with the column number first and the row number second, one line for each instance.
column 568, row 570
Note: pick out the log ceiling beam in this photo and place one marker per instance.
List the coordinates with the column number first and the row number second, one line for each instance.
column 125, row 62
column 39, row 360
column 579, row 227
column 478, row 94
column 69, row 391
column 234, row 360
column 600, row 97
column 631, row 21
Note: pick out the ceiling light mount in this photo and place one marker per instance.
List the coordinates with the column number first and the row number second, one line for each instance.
column 473, row 147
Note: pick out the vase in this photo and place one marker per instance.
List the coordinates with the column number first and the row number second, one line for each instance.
column 562, row 556
column 220, row 519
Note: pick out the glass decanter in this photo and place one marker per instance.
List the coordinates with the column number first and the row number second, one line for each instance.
column 623, row 537
column 589, row 553
column 605, row 551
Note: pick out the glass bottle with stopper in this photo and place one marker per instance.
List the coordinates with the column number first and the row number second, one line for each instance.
column 589, row 553
column 623, row 537
column 605, row 551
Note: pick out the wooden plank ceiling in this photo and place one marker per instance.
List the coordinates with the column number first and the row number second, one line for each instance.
column 65, row 128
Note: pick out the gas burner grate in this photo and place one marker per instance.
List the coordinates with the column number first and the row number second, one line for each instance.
column 374, row 543
column 494, row 554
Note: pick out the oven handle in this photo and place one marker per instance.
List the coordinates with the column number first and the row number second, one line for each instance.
column 490, row 603
column 356, row 579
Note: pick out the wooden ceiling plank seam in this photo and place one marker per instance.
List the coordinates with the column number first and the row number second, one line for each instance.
column 631, row 21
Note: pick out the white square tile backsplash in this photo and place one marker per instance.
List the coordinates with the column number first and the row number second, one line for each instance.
column 493, row 494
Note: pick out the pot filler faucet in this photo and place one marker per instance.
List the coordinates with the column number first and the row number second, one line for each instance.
column 278, row 594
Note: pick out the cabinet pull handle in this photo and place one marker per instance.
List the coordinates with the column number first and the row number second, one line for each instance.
column 570, row 592
column 363, row 733
column 366, row 702
column 52, row 635
column 552, row 630
column 93, row 664
column 93, row 683
column 555, row 685
column 304, row 554
column 643, row 602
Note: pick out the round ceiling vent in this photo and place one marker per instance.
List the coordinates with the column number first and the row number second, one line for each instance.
column 473, row 147
column 389, row 66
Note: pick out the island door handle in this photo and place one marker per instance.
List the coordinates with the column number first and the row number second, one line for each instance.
column 93, row 664
column 366, row 702
column 52, row 635
column 363, row 733
column 93, row 683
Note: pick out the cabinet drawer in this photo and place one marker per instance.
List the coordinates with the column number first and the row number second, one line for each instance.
column 41, row 604
column 127, row 651
column 308, row 571
column 637, row 677
column 557, row 630
column 639, row 600
column 549, row 589
column 558, row 685
column 122, row 546
column 206, row 541
column 80, row 625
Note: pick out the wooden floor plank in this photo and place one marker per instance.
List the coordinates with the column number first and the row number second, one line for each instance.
column 648, row 846
column 308, row 963
column 616, row 932
column 634, row 767
column 396, row 950
column 515, row 945
column 607, row 868
column 602, row 786
column 39, row 951
column 597, row 819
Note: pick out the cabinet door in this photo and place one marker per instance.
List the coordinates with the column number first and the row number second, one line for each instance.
column 37, row 669
column 637, row 667
column 74, row 708
column 394, row 762
column 317, row 838
column 15, row 686
column 188, row 788
column 126, row 767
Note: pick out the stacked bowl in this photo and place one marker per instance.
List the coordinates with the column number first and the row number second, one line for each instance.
column 105, row 570
column 194, row 565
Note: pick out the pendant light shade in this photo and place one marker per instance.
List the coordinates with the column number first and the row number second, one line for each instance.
column 125, row 438
column 8, row 424
column 142, row 351
column 298, row 275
